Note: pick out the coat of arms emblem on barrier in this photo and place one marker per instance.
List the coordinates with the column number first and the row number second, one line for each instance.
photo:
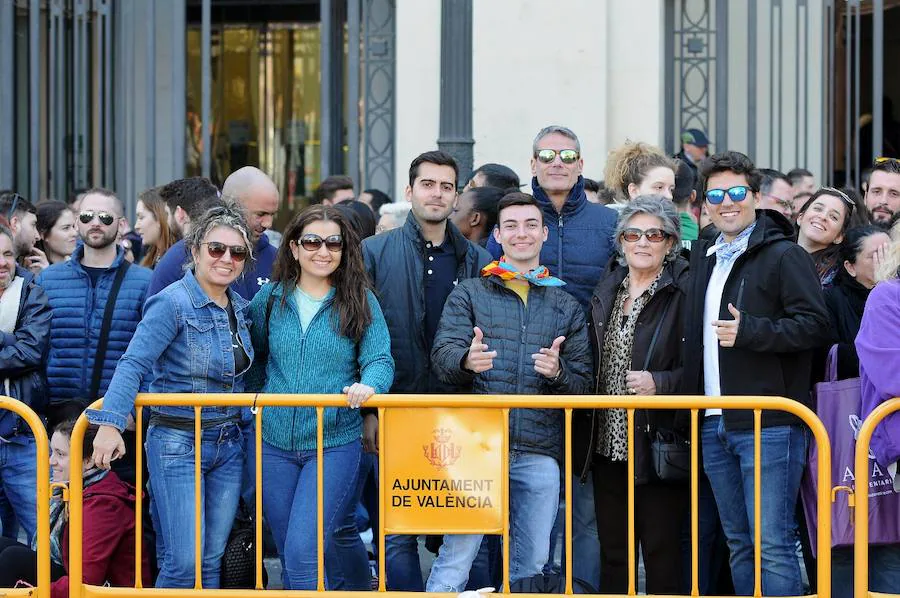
column 442, row 452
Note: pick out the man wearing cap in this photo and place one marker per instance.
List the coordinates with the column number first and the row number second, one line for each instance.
column 694, row 149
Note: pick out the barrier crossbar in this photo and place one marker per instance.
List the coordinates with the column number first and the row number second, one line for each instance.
column 42, row 446
column 566, row 403
column 861, row 516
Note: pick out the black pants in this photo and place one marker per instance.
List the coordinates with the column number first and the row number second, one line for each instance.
column 18, row 562
column 657, row 529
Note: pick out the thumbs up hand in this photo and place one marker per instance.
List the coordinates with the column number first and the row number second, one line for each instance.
column 727, row 330
column 546, row 361
column 479, row 359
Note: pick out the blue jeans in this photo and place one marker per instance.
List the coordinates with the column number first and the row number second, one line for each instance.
column 585, row 539
column 401, row 565
column 728, row 462
column 170, row 460
column 18, row 475
column 884, row 570
column 289, row 500
column 348, row 562
column 533, row 503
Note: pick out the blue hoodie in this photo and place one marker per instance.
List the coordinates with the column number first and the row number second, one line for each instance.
column 171, row 268
column 580, row 240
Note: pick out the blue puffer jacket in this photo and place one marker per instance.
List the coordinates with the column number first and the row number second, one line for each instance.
column 580, row 240
column 77, row 317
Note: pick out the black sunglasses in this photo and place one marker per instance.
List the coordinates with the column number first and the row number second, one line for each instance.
column 88, row 215
column 333, row 243
column 217, row 250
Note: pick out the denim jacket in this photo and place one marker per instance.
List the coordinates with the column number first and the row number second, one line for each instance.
column 182, row 345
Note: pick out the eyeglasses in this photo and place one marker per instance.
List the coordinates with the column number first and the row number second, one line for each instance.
column 567, row 156
column 784, row 203
column 737, row 194
column 216, row 250
column 87, row 217
column 886, row 159
column 15, row 204
column 334, row 243
column 654, row 235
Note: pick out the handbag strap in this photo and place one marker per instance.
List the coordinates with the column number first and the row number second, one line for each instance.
column 102, row 342
column 655, row 336
column 650, row 349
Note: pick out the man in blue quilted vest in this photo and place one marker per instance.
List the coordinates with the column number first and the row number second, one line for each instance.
column 84, row 348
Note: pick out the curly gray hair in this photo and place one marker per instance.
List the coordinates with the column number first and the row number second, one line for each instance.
column 652, row 205
column 228, row 214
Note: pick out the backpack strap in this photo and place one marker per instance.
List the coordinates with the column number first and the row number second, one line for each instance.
column 103, row 341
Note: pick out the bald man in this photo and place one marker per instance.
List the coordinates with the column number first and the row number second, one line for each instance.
column 255, row 191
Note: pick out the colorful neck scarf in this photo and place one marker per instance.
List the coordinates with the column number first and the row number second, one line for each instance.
column 539, row 277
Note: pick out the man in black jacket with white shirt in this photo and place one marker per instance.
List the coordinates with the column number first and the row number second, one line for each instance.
column 755, row 315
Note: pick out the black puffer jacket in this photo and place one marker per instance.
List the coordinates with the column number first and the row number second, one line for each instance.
column 665, row 362
column 783, row 319
column 516, row 331
column 23, row 355
column 395, row 261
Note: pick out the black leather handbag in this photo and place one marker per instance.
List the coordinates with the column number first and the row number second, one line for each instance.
column 239, row 560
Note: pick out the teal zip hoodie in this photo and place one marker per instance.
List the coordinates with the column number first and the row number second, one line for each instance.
column 315, row 360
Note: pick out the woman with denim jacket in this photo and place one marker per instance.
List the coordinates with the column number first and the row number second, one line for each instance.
column 317, row 329
column 194, row 338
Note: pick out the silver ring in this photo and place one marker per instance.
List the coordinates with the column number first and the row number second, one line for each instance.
column 632, row 391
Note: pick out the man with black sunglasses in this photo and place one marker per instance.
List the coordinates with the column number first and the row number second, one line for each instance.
column 755, row 313
column 96, row 298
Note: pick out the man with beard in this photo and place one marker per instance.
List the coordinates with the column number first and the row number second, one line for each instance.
column 96, row 298
column 24, row 331
column 883, row 192
column 22, row 218
column 259, row 197
column 413, row 269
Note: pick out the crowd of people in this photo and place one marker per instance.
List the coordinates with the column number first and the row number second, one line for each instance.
column 694, row 275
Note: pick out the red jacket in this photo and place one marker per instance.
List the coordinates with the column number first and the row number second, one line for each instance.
column 108, row 539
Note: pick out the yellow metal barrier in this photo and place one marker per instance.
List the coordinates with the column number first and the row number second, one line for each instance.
column 42, row 445
column 502, row 402
column 861, row 524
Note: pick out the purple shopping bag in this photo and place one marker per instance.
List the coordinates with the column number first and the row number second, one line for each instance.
column 837, row 405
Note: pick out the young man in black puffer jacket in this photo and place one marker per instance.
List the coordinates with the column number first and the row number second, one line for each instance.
column 515, row 331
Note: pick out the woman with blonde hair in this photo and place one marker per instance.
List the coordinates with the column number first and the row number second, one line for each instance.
column 152, row 223
column 638, row 168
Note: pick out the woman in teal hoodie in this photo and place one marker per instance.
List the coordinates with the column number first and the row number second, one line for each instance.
column 316, row 329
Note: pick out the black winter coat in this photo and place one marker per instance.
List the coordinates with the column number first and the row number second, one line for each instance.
column 783, row 319
column 23, row 355
column 664, row 365
column 846, row 301
column 395, row 261
column 516, row 331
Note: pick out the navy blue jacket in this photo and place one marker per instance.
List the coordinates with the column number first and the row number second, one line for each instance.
column 580, row 240
column 395, row 262
column 256, row 273
column 22, row 355
column 77, row 318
